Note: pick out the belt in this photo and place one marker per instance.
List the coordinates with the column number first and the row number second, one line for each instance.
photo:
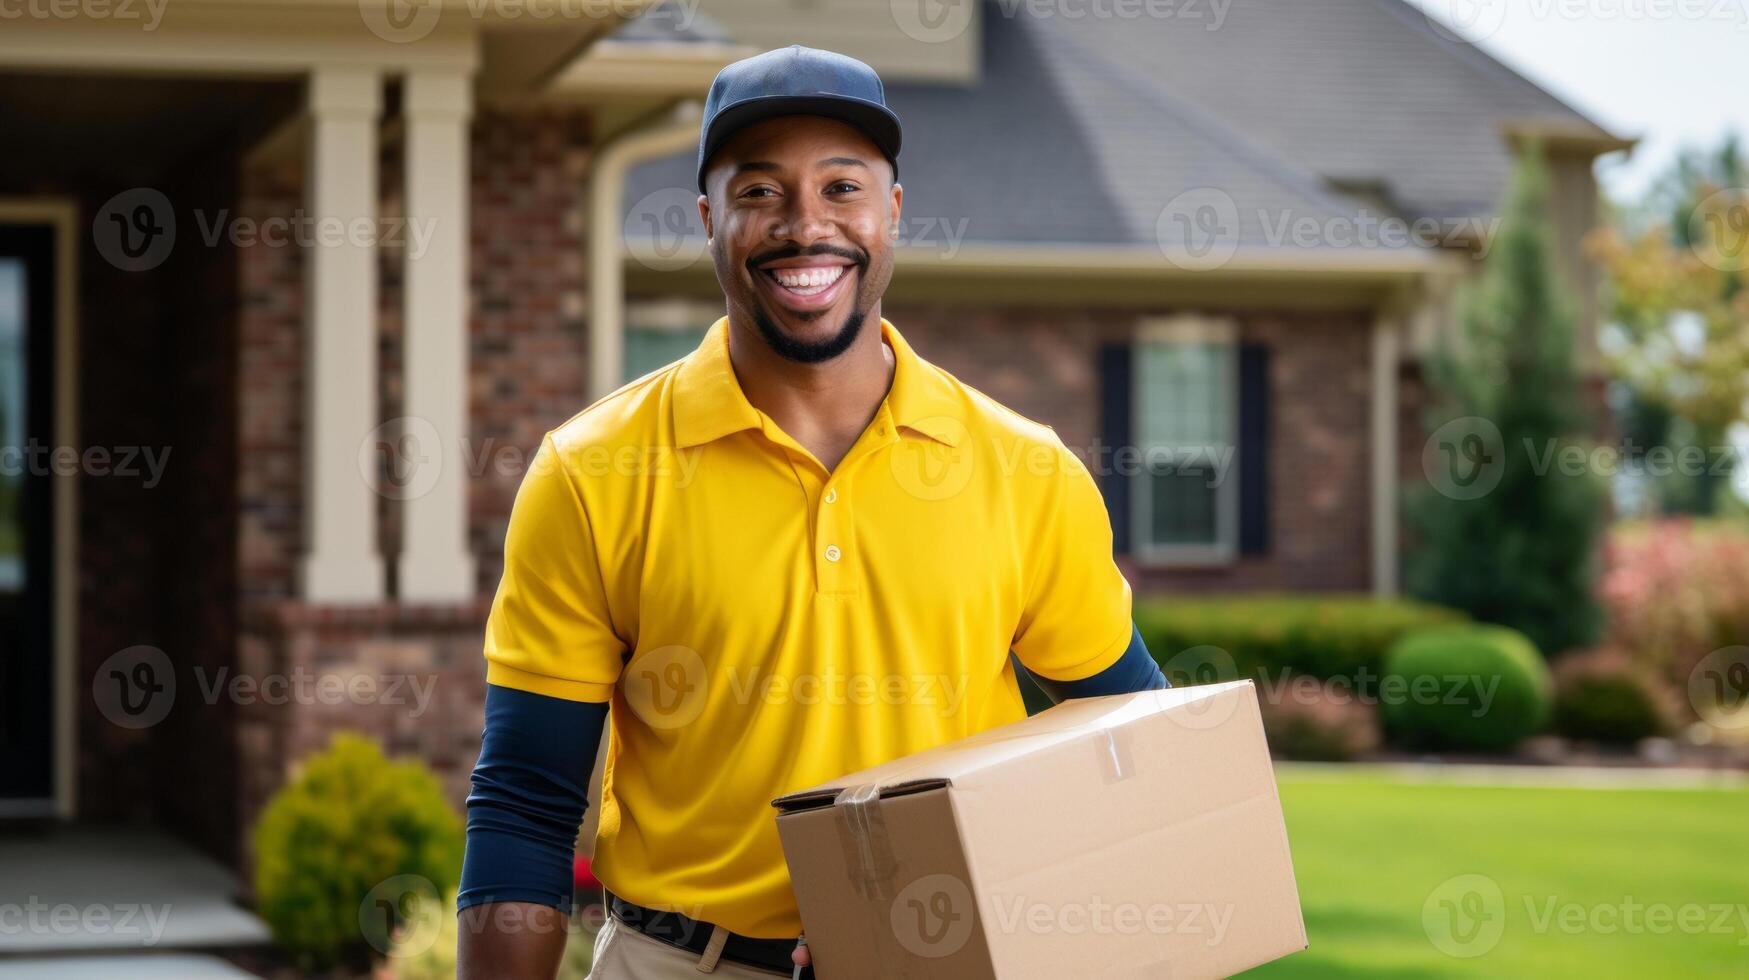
column 692, row 935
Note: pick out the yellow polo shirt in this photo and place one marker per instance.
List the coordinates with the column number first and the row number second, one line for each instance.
column 761, row 624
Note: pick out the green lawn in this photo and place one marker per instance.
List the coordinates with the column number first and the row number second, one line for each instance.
column 1576, row 870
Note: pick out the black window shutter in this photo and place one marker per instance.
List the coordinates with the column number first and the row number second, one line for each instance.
column 1253, row 449
column 1114, row 434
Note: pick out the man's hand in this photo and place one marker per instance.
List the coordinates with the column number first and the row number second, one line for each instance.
column 510, row 941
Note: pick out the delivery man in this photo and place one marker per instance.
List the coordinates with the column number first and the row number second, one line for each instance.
column 799, row 551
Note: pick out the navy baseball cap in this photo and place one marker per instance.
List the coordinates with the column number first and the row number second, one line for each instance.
column 797, row 81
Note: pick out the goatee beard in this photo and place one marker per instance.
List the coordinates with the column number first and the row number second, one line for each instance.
column 803, row 352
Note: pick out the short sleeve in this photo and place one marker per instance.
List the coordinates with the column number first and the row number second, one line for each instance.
column 550, row 630
column 1077, row 620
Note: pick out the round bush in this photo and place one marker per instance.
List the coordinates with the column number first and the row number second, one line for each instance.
column 1313, row 720
column 1602, row 696
column 1480, row 688
column 352, row 828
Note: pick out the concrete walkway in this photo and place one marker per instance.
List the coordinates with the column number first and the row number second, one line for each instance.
column 121, row 966
column 73, row 896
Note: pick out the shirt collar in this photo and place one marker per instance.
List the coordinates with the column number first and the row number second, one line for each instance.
column 709, row 404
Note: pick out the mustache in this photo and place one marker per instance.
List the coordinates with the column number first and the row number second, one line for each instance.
column 857, row 256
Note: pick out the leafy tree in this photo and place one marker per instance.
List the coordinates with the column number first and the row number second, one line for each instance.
column 1511, row 536
column 1678, row 340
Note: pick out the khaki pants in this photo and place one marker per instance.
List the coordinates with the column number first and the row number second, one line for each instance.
column 623, row 953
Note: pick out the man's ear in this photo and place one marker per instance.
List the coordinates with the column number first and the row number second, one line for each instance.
column 704, row 213
column 898, row 201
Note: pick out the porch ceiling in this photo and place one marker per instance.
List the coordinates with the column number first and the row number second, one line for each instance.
column 129, row 128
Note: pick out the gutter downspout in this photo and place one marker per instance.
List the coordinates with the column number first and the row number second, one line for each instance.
column 669, row 135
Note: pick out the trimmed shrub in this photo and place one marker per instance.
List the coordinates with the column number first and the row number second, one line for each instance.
column 1308, row 719
column 1321, row 636
column 1603, row 696
column 1480, row 688
column 342, row 849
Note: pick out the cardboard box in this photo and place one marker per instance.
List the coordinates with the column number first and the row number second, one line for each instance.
column 1138, row 835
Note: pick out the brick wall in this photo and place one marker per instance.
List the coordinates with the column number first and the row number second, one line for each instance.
column 1042, row 364
column 411, row 678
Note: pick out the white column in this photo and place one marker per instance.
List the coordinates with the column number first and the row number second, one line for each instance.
column 342, row 563
column 1385, row 347
column 436, row 565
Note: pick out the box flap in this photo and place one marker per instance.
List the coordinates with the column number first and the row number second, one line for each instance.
column 810, row 799
column 959, row 762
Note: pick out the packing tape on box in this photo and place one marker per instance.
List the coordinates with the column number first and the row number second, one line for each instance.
column 1119, row 761
column 868, row 851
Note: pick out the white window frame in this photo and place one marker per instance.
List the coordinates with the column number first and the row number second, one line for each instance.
column 1185, row 330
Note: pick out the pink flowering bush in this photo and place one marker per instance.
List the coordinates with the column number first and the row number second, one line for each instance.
column 1676, row 590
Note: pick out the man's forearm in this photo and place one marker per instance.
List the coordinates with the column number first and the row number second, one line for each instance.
column 510, row 941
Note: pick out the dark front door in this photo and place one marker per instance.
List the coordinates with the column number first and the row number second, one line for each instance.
column 27, row 371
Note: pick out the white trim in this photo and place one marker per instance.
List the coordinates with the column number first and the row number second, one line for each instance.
column 677, row 314
column 607, row 246
column 435, row 562
column 62, row 215
column 1132, row 261
column 1188, row 329
column 342, row 562
column 1386, row 348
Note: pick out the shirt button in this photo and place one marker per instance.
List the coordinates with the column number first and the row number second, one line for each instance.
column 832, row 495
column 832, row 552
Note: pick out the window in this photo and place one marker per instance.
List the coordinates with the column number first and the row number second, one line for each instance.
column 12, row 403
column 660, row 333
column 1185, row 402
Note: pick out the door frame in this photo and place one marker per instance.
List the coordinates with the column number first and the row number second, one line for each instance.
column 61, row 215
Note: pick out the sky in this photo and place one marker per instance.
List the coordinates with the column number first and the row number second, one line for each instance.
column 1671, row 73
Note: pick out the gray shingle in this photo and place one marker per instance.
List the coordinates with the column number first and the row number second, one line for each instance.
column 1085, row 130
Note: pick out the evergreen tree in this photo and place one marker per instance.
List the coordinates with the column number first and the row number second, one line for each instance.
column 1504, row 530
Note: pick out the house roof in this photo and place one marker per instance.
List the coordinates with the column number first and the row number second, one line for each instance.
column 1117, row 131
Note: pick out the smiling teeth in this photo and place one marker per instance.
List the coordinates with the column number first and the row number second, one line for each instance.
column 808, row 281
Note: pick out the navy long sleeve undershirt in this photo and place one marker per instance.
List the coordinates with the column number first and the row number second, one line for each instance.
column 530, row 789
column 1135, row 670
column 531, row 784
